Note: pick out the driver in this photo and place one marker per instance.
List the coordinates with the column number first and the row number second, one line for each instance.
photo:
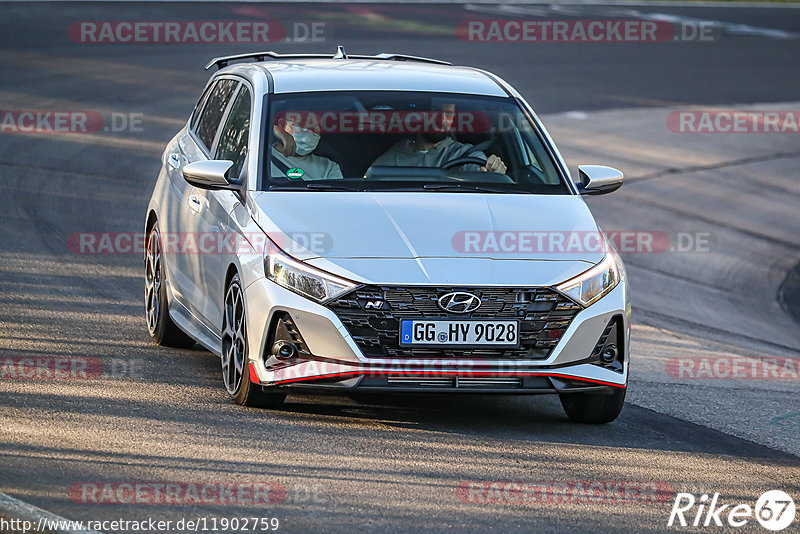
column 435, row 148
column 293, row 151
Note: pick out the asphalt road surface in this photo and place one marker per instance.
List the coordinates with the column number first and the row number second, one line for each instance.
column 158, row 415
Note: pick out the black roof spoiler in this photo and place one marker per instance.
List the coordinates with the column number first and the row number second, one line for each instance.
column 223, row 61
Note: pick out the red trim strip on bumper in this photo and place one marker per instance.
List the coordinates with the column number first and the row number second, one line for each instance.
column 437, row 373
column 253, row 374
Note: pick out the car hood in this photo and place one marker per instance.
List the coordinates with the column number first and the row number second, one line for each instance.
column 344, row 229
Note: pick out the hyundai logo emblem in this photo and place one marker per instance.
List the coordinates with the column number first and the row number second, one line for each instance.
column 459, row 302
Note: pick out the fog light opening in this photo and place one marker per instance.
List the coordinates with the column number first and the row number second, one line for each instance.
column 284, row 350
column 609, row 353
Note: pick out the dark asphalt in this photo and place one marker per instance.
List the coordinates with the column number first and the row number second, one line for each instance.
column 555, row 76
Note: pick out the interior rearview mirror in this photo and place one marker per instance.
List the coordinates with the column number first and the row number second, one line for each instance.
column 598, row 179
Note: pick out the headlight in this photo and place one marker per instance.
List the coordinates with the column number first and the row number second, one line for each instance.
column 302, row 278
column 590, row 285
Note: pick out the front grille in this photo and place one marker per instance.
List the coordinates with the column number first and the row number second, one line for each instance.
column 544, row 314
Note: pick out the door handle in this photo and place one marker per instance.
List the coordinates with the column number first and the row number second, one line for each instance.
column 174, row 160
column 194, row 204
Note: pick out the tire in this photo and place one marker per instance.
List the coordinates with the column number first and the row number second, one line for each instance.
column 234, row 360
column 159, row 324
column 593, row 408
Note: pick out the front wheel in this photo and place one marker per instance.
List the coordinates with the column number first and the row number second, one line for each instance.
column 235, row 361
column 593, row 408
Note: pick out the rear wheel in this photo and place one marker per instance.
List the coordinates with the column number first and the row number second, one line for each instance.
column 593, row 408
column 159, row 324
column 235, row 361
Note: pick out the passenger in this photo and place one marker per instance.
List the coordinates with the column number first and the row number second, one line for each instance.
column 294, row 151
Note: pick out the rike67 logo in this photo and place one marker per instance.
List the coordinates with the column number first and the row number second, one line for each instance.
column 774, row 510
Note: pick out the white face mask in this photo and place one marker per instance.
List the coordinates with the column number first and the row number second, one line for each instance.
column 306, row 141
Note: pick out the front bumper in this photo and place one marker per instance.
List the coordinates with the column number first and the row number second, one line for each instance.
column 333, row 359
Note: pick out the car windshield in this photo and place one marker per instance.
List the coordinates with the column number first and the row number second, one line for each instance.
column 405, row 141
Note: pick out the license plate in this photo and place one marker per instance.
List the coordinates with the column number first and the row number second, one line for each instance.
column 417, row 333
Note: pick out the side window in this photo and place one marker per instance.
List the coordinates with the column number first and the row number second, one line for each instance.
column 198, row 108
column 215, row 106
column 233, row 139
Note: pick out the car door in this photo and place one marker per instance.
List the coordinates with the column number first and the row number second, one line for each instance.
column 196, row 145
column 213, row 220
column 174, row 213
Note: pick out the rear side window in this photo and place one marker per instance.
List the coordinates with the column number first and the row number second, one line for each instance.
column 233, row 139
column 215, row 106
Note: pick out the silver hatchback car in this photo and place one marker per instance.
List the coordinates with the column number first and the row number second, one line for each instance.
column 383, row 223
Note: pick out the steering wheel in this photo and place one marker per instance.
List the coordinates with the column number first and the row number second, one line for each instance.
column 463, row 160
column 480, row 147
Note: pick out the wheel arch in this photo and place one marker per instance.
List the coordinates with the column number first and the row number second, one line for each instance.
column 229, row 274
column 151, row 221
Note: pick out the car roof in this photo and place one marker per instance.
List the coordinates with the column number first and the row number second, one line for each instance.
column 303, row 75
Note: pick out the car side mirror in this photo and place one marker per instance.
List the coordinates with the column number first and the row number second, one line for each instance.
column 598, row 180
column 210, row 174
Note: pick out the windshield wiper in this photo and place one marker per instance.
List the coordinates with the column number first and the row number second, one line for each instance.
column 316, row 186
column 469, row 187
column 311, row 185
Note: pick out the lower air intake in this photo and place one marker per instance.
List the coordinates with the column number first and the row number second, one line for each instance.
column 455, row 382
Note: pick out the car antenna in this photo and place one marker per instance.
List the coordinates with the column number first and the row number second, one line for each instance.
column 340, row 53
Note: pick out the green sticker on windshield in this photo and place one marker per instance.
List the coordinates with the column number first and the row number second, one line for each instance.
column 296, row 172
